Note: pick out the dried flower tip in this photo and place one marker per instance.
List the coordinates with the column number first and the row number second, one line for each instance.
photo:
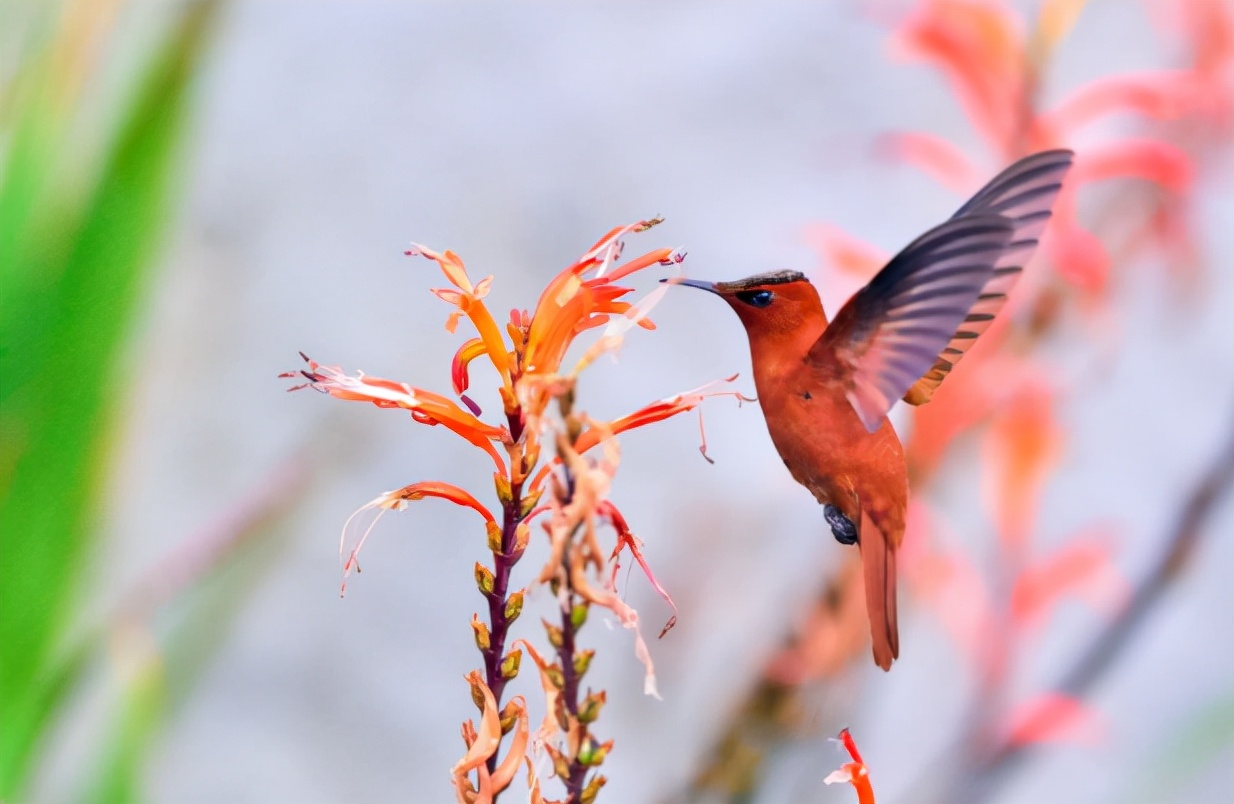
column 477, row 694
column 593, row 755
column 529, row 501
column 483, row 639
column 493, row 536
column 531, row 457
column 582, row 661
column 588, row 796
column 555, row 636
column 589, row 710
column 509, row 665
column 514, row 606
column 504, row 494
column 484, row 579
column 561, row 765
column 578, row 614
column 522, row 535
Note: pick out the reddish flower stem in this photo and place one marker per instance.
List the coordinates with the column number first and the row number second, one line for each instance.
column 574, row 783
column 503, row 565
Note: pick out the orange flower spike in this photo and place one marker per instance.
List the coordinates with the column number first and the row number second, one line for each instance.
column 854, row 772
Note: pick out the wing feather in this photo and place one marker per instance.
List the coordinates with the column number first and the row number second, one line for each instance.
column 1024, row 194
column 892, row 330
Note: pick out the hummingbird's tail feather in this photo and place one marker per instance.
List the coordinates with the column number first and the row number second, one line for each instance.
column 878, row 559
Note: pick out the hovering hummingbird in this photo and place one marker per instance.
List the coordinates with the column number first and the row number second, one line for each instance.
column 825, row 389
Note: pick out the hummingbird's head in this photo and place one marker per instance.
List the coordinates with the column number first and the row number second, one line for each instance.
column 774, row 307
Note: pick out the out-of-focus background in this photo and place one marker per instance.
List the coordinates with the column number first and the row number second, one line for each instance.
column 193, row 192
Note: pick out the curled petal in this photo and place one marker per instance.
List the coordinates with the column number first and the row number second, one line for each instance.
column 488, row 736
column 517, row 751
column 396, row 501
column 548, row 728
column 466, row 353
column 627, row 539
column 626, row 615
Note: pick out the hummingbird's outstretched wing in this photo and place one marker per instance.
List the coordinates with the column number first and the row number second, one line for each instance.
column 891, row 331
column 1024, row 194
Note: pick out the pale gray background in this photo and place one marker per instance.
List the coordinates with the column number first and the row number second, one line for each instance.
column 328, row 135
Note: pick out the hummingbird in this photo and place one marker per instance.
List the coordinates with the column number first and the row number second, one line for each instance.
column 826, row 388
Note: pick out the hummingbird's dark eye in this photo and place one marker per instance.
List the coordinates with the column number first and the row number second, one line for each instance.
column 755, row 298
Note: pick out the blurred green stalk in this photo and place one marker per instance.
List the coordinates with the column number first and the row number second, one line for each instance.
column 72, row 270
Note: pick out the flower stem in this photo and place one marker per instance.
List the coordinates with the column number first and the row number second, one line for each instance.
column 503, row 565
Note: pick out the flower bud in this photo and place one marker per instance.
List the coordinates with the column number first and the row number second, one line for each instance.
column 590, row 708
column 509, row 716
column 484, row 579
column 588, row 796
column 503, row 488
column 493, row 532
column 509, row 665
column 522, row 535
column 477, row 693
column 591, row 754
column 529, row 502
column 561, row 765
column 578, row 615
column 483, row 642
column 582, row 661
column 555, row 675
column 514, row 606
column 555, row 637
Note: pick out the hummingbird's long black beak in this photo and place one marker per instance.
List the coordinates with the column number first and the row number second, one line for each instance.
column 701, row 284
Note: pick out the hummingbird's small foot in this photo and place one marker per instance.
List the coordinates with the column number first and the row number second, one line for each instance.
column 841, row 526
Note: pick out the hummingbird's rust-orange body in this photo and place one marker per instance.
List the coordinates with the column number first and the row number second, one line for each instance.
column 825, row 389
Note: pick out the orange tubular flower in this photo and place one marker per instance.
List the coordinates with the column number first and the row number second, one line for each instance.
column 854, row 772
column 468, row 300
column 571, row 303
column 426, row 407
column 396, row 501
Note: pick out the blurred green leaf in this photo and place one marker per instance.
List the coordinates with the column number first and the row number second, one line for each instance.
column 1195, row 747
column 70, row 281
